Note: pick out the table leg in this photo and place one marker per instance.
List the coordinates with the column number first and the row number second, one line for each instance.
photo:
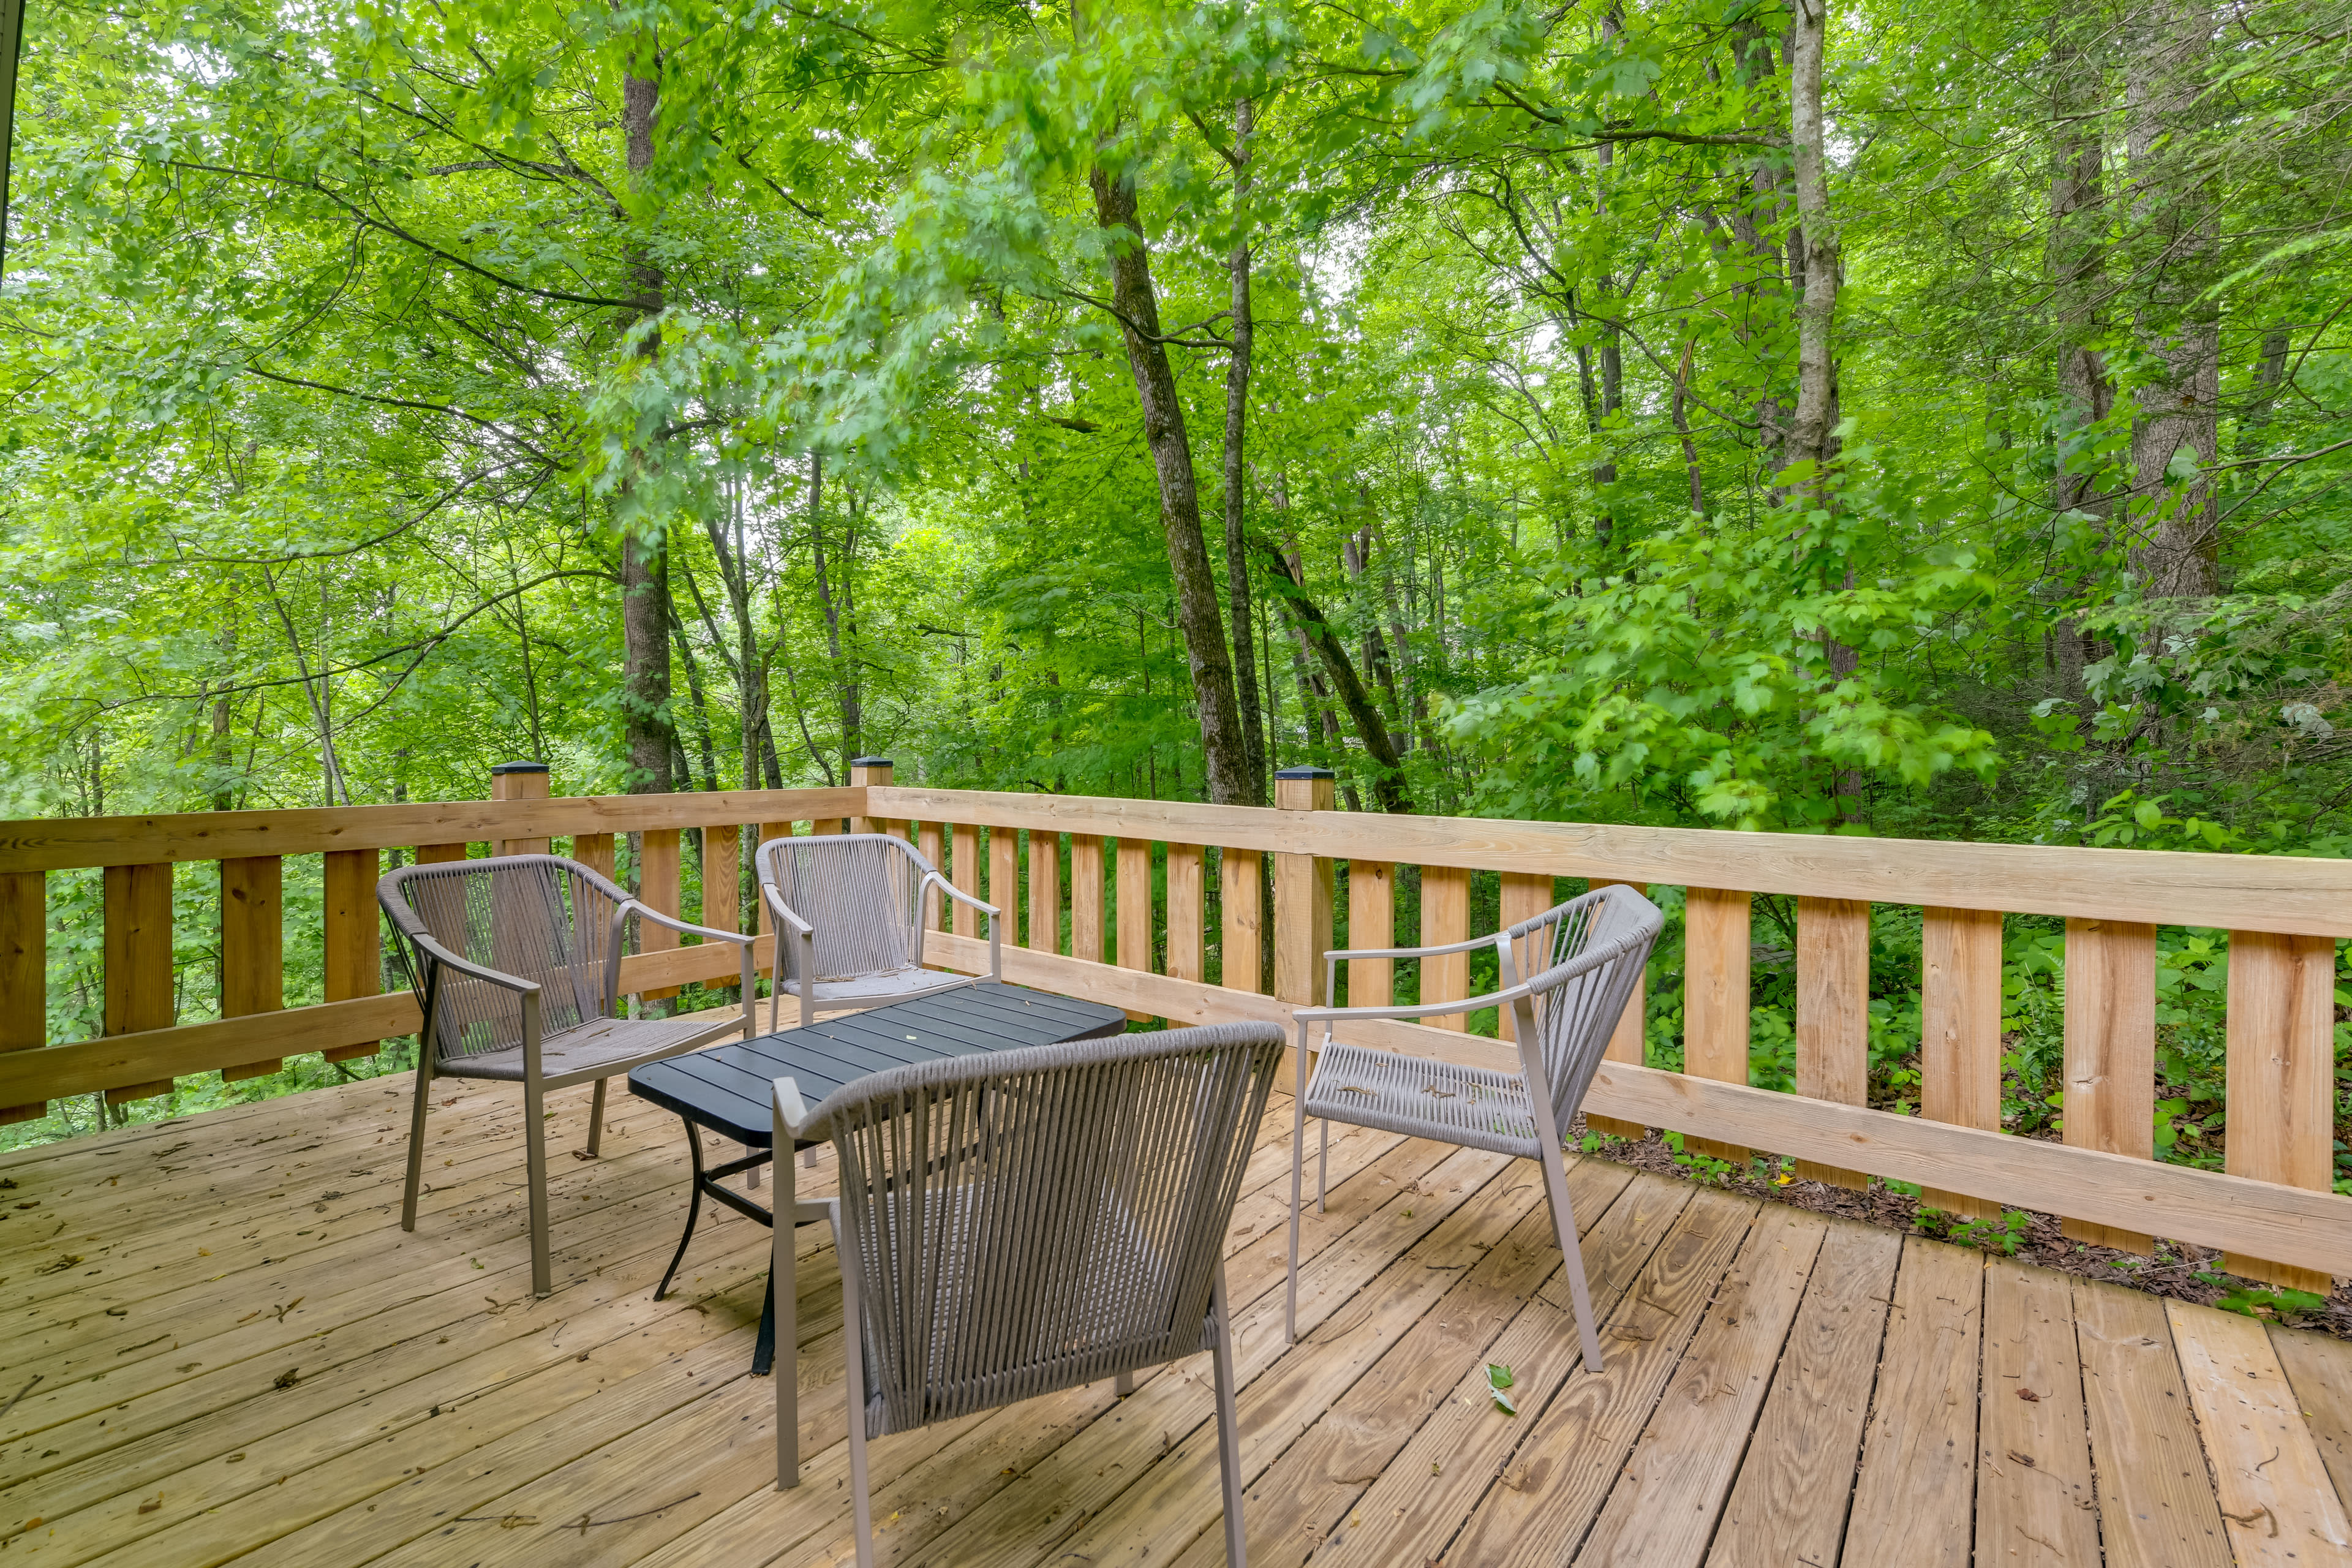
column 693, row 1209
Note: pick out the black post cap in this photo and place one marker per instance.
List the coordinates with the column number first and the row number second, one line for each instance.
column 869, row 762
column 519, row 768
column 1306, row 774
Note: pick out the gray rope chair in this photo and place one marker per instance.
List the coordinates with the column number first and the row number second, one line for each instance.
column 848, row 912
column 516, row 965
column 1032, row 1220
column 1582, row 960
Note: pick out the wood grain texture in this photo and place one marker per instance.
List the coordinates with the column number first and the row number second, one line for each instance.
column 2280, row 1081
column 1626, row 1042
column 1086, row 929
column 1187, row 940
column 1044, row 932
column 722, row 877
column 594, row 850
column 1445, row 918
column 2156, row 1500
column 444, row 854
column 1959, row 1012
column 864, row 776
column 139, row 978
column 2243, row 892
column 1789, row 1505
column 2035, row 1505
column 1302, row 895
column 1912, row 1499
column 1715, row 996
column 1004, row 880
column 520, row 787
column 1371, row 922
column 658, row 885
column 353, row 929
column 24, row 975
column 1833, row 1013
column 2318, row 1367
column 964, row 870
column 253, row 948
column 1241, row 904
column 1664, row 1508
column 2273, row 1488
column 2110, row 1051
column 1134, row 896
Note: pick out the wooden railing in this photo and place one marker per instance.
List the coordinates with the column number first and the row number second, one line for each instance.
column 1113, row 899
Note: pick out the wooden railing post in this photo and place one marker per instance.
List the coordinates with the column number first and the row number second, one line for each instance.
column 139, row 991
column 519, row 781
column 24, row 975
column 1241, row 901
column 2110, row 1052
column 1187, row 949
column 253, row 948
column 354, row 938
column 1302, row 896
column 2280, row 1080
column 869, row 773
column 1371, row 922
column 1959, row 1008
column 1626, row 1043
column 1086, row 897
column 1045, row 892
column 1715, row 996
column 1445, row 918
column 1004, row 880
column 1833, row 1013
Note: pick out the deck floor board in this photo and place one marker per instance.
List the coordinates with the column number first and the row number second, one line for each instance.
column 440, row 1418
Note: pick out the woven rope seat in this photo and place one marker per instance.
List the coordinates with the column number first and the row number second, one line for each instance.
column 1424, row 1099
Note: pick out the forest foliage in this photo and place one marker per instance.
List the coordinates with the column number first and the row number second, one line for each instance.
column 1863, row 416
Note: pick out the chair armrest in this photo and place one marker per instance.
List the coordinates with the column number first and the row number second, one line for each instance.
column 1475, row 942
column 1502, row 998
column 710, row 933
column 443, row 956
column 960, row 896
column 777, row 906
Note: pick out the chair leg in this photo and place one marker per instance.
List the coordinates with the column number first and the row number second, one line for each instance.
column 1563, row 1218
column 782, row 1283
column 417, row 1131
column 1122, row 1383
column 1297, row 1171
column 854, row 1390
column 1323, row 1165
column 597, row 1121
column 534, row 1136
column 1229, row 1435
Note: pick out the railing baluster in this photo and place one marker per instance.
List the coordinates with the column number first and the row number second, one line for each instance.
column 1446, row 917
column 1833, row 1013
column 253, row 948
column 766, row 926
column 139, row 991
column 1959, row 1004
column 657, row 885
column 1045, row 892
column 2279, row 1081
column 1302, row 897
column 441, row 854
column 1625, row 1044
column 1371, row 922
column 354, row 939
column 965, row 874
column 2110, row 1052
column 722, row 877
column 1086, row 897
column 1004, row 880
column 24, row 975
column 1715, row 996
column 1134, row 894
column 930, row 835
column 1241, row 901
column 1187, row 893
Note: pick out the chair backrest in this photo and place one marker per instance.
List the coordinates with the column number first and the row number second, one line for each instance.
column 862, row 894
column 1036, row 1219
column 536, row 917
column 1583, row 960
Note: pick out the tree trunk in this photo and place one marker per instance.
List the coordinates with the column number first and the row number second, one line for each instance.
column 646, row 610
column 1225, row 763
column 2077, row 265
column 2176, row 550
column 1318, row 637
column 1237, row 376
column 836, row 602
column 1811, row 429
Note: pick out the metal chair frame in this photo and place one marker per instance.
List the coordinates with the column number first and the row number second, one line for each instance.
column 946, row 1322
column 430, row 964
column 1618, row 960
column 791, row 926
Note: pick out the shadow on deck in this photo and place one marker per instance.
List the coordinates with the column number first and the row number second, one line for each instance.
column 234, row 1355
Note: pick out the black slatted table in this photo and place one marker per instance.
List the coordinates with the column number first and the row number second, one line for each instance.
column 728, row 1089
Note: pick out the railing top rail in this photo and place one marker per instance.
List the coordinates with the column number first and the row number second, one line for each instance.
column 2240, row 892
column 64, row 843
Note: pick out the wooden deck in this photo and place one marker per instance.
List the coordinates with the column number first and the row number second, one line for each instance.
column 234, row 1355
